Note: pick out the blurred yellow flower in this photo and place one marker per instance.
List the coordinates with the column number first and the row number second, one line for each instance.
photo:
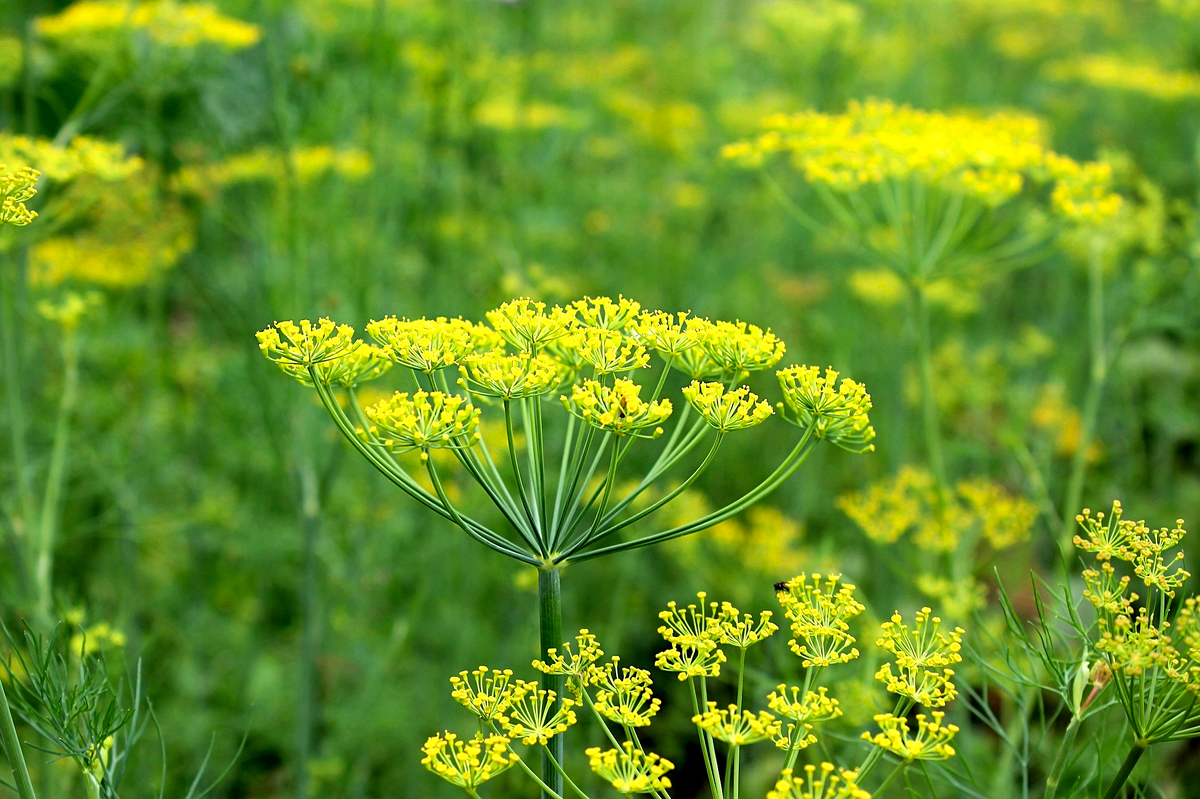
column 1108, row 71
column 263, row 163
column 167, row 23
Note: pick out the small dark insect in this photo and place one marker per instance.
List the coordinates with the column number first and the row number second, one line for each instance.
column 781, row 585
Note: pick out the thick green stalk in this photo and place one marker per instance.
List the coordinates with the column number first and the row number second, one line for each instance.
column 1061, row 758
column 9, row 277
column 1097, row 377
column 52, row 498
column 550, row 637
column 1131, row 760
column 12, row 749
column 929, row 415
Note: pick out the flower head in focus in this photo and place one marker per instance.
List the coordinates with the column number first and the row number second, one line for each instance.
column 470, row 763
column 725, row 410
column 306, row 344
column 932, row 741
column 618, row 408
column 629, row 770
column 820, row 609
column 424, row 421
column 836, row 412
column 823, row 785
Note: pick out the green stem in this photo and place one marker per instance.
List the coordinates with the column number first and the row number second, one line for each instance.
column 12, row 749
column 890, row 778
column 9, row 279
column 1131, row 760
column 550, row 637
column 929, row 415
column 52, row 498
column 306, row 700
column 1061, row 758
column 1097, row 377
column 712, row 777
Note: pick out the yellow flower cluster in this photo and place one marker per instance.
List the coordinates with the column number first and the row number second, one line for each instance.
column 618, row 408
column 534, row 715
column 528, row 326
column 607, row 351
column 16, row 189
column 164, row 22
column 932, row 741
column 467, row 764
column 1135, row 639
column 668, row 334
column 70, row 310
column 1113, row 72
column 606, row 313
column 509, row 377
column 105, row 161
column 741, row 630
column 425, row 345
column 264, row 164
column 989, row 158
column 803, row 712
column 624, row 694
column 835, row 412
column 131, row 236
column 361, row 364
column 923, row 654
column 694, row 634
column 737, row 727
column 575, row 664
column 95, row 639
column 909, row 503
column 424, row 421
column 820, row 611
column 826, row 785
column 306, row 344
column 629, row 770
column 485, row 692
column 727, row 410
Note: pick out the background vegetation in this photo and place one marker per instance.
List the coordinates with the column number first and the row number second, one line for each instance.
column 356, row 158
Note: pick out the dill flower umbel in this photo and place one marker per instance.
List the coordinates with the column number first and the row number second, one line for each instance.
column 467, row 764
column 922, row 655
column 306, row 344
column 837, row 415
column 618, row 408
column 606, row 313
column 813, row 706
column 727, row 410
column 932, row 741
column 988, row 158
column 738, row 347
column 630, row 770
column 485, row 692
column 669, row 334
column 825, row 785
column 529, row 326
column 607, row 351
column 84, row 156
column 16, row 189
column 694, row 634
column 737, row 727
column 909, row 503
column 425, row 345
column 624, row 696
column 424, row 421
column 509, row 377
column 820, row 611
column 741, row 630
column 534, row 716
column 575, row 664
column 164, row 22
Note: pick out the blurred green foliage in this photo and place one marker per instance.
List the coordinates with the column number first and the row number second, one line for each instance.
column 371, row 157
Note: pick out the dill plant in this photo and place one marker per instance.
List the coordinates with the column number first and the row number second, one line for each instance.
column 529, row 359
column 703, row 638
column 932, row 196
